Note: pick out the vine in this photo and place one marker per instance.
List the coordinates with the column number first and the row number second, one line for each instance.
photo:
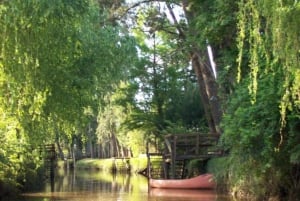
column 270, row 31
column 268, row 46
column 249, row 25
column 286, row 48
column 241, row 37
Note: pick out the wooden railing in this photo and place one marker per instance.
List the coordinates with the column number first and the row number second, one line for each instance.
column 190, row 146
column 180, row 149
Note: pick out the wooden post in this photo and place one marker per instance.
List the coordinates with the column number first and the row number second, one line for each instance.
column 148, row 171
column 52, row 164
column 148, row 161
column 197, row 144
column 74, row 156
column 173, row 157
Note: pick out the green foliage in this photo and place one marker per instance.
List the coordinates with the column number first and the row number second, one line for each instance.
column 214, row 20
column 251, row 130
column 262, row 118
column 167, row 98
column 135, row 139
column 251, row 133
column 56, row 61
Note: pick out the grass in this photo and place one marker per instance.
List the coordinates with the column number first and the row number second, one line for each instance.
column 95, row 164
column 113, row 164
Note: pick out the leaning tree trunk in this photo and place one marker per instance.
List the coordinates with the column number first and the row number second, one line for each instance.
column 208, row 91
column 206, row 80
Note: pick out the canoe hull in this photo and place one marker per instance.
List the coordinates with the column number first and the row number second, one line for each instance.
column 204, row 181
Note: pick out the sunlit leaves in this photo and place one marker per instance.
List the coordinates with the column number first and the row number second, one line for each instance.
column 55, row 61
column 268, row 62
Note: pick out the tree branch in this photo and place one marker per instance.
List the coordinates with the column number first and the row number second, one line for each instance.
column 134, row 5
column 178, row 27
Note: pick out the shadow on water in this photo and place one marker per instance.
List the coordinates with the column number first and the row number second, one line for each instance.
column 104, row 186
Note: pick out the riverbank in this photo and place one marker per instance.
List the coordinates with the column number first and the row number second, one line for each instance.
column 132, row 165
column 109, row 165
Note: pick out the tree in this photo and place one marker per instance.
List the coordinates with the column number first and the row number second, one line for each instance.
column 262, row 118
column 190, row 34
column 56, row 61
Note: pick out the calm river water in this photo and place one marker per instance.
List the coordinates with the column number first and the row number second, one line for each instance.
column 103, row 186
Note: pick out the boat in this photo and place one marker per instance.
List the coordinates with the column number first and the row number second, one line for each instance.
column 204, row 181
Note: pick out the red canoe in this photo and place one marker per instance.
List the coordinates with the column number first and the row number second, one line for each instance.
column 204, row 181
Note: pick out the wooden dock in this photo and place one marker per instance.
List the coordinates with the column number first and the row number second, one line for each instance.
column 181, row 148
column 49, row 159
column 49, row 155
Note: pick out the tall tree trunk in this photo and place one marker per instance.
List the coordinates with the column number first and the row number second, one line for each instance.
column 90, row 147
column 60, row 152
column 114, row 145
column 203, row 95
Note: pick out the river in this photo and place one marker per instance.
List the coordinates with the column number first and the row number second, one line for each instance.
column 103, row 186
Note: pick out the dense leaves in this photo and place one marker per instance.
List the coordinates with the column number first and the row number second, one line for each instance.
column 262, row 117
column 56, row 61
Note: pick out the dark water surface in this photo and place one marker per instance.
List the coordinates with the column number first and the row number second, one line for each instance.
column 103, row 186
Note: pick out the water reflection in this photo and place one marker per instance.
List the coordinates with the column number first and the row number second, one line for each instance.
column 180, row 194
column 103, row 186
